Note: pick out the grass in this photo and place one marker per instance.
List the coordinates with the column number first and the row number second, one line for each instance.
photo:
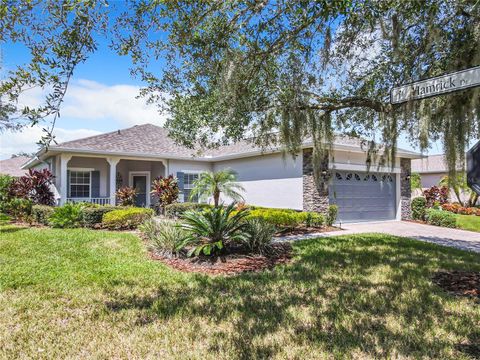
column 468, row 222
column 89, row 294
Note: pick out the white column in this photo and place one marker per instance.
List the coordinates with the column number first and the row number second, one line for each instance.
column 113, row 178
column 64, row 159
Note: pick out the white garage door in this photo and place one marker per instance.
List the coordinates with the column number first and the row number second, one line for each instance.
column 363, row 196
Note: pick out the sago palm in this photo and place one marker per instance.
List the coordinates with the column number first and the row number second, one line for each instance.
column 212, row 184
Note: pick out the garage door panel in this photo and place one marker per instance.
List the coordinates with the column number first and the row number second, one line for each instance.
column 361, row 196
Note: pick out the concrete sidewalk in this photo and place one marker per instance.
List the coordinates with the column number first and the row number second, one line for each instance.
column 461, row 239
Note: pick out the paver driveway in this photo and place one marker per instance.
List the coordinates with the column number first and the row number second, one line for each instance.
column 462, row 239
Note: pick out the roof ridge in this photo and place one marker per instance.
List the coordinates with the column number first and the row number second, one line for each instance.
column 106, row 133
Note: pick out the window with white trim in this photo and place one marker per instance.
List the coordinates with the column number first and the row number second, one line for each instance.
column 80, row 184
column 188, row 180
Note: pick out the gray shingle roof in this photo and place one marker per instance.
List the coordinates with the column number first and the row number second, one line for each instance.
column 431, row 164
column 153, row 140
column 12, row 166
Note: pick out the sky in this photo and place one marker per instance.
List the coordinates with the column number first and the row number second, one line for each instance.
column 102, row 97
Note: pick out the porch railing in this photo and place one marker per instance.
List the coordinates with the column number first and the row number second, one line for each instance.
column 99, row 201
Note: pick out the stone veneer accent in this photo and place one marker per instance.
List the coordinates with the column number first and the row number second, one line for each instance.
column 315, row 198
column 405, row 189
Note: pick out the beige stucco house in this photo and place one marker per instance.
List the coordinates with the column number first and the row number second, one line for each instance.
column 91, row 169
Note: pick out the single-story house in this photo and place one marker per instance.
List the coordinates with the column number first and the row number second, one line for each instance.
column 431, row 169
column 92, row 168
column 13, row 166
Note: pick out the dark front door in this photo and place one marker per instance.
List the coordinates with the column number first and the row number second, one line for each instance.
column 140, row 184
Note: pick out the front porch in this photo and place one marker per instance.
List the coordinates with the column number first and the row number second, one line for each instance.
column 95, row 179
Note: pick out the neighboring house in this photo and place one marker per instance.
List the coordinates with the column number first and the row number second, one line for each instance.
column 431, row 169
column 91, row 169
column 13, row 166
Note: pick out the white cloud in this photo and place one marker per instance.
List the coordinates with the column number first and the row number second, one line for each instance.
column 90, row 100
column 25, row 140
column 93, row 101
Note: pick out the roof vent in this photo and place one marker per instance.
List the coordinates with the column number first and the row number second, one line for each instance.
column 118, row 131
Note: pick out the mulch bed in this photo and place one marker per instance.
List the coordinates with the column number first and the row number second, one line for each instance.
column 459, row 283
column 229, row 264
column 306, row 230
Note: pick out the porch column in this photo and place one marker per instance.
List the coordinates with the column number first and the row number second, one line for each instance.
column 64, row 159
column 113, row 178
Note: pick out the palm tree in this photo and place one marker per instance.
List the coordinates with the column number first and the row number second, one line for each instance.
column 212, row 184
column 459, row 186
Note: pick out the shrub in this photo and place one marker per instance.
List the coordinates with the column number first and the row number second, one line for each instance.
column 67, row 216
column 19, row 209
column 5, row 190
column 332, row 214
column 259, row 236
column 176, row 210
column 419, row 205
column 35, row 186
column 278, row 217
column 42, row 213
column 165, row 189
column 436, row 196
column 440, row 218
column 128, row 218
column 126, row 196
column 212, row 228
column 94, row 215
column 166, row 236
column 313, row 219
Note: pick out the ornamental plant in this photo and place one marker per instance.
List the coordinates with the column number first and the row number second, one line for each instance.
column 165, row 189
column 35, row 186
column 436, row 195
column 210, row 230
column 126, row 196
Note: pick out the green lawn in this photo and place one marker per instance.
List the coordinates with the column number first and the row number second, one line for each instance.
column 468, row 222
column 91, row 294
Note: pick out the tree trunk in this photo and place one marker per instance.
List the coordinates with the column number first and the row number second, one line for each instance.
column 216, row 198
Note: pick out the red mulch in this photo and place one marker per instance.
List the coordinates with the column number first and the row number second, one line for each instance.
column 459, row 283
column 229, row 264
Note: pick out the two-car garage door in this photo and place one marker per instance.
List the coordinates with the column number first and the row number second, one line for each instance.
column 363, row 196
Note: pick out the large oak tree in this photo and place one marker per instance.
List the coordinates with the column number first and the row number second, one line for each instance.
column 280, row 71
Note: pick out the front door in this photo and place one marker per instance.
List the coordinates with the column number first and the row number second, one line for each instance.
column 139, row 182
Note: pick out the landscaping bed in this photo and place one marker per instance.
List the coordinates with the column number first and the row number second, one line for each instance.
column 233, row 263
column 305, row 231
column 459, row 283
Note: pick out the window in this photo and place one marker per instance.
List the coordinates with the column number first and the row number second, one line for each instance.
column 188, row 180
column 79, row 184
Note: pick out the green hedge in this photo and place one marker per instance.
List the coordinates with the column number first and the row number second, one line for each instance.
column 440, row 218
column 419, row 204
column 94, row 215
column 41, row 213
column 287, row 217
column 127, row 218
column 175, row 210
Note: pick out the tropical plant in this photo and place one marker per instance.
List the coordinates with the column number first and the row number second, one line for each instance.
column 459, row 185
column 436, row 196
column 415, row 181
column 166, row 236
column 165, row 189
column 211, row 229
column 259, row 236
column 35, row 186
column 19, row 208
column 176, row 210
column 212, row 184
column 67, row 216
column 126, row 196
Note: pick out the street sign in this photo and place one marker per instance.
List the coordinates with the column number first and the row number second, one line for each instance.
column 439, row 85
